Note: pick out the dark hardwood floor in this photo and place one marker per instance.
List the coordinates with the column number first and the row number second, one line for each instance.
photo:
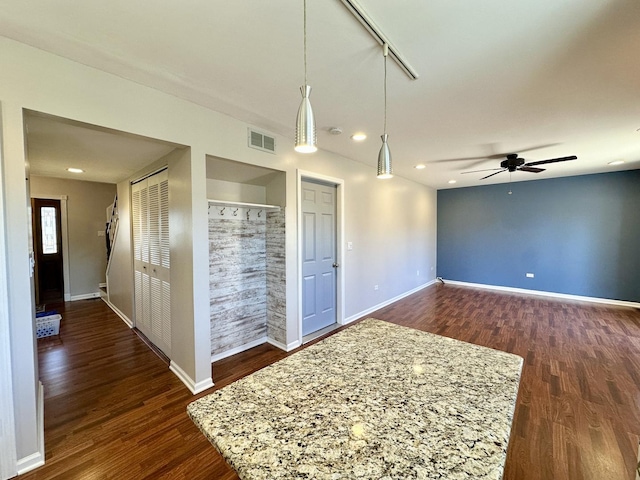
column 114, row 410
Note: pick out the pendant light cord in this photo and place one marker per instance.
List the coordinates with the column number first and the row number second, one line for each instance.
column 384, row 50
column 305, row 41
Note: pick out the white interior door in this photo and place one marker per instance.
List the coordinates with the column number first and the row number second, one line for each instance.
column 150, row 211
column 318, row 256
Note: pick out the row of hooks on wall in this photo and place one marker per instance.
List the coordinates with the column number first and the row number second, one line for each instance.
column 231, row 212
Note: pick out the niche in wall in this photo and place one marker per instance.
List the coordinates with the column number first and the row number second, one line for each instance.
column 246, row 256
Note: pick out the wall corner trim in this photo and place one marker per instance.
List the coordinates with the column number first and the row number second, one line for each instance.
column 194, row 387
column 36, row 459
column 566, row 296
column 386, row 302
column 287, row 348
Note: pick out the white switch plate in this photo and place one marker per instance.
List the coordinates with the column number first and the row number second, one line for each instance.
column 349, row 245
column 101, row 233
column 375, row 287
column 530, row 275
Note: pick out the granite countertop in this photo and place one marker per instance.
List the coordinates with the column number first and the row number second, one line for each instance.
column 374, row 401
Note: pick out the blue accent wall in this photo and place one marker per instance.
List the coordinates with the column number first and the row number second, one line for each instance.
column 577, row 235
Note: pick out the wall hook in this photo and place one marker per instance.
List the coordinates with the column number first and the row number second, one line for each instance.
column 248, row 211
column 222, row 211
column 235, row 212
column 259, row 213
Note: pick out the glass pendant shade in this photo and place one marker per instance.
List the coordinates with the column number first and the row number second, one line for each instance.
column 384, row 159
column 305, row 124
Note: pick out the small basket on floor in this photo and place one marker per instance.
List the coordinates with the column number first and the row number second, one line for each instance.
column 48, row 326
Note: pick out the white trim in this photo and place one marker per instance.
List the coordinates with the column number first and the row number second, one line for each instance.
column 193, row 387
column 36, row 459
column 287, row 348
column 387, row 302
column 64, row 226
column 102, row 285
column 607, row 301
column 84, row 296
column 241, row 348
column 340, row 229
column 117, row 311
column 8, row 460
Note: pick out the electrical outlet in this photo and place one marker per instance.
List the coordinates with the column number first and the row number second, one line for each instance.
column 530, row 275
column 375, row 287
column 417, row 273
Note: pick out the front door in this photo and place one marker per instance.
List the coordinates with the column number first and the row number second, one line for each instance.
column 49, row 281
column 318, row 256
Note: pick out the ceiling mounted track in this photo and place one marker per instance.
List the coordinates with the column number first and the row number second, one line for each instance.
column 358, row 12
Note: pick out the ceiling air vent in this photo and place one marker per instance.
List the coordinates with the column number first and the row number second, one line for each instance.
column 261, row 141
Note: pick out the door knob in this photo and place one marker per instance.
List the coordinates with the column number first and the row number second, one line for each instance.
column 336, row 265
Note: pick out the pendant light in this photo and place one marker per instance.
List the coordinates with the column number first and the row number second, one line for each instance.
column 384, row 157
column 305, row 122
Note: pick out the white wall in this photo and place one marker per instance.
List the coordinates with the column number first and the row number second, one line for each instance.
column 235, row 192
column 120, row 288
column 391, row 223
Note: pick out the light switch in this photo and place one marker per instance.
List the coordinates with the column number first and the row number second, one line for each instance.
column 101, row 233
column 349, row 245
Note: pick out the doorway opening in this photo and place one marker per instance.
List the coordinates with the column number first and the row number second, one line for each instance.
column 46, row 216
column 320, row 213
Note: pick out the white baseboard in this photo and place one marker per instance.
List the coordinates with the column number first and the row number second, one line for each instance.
column 282, row 346
column 566, row 296
column 385, row 303
column 36, row 459
column 67, row 297
column 241, row 348
column 193, row 387
column 117, row 311
column 84, row 296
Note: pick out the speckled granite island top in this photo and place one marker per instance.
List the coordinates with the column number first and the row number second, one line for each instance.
column 375, row 401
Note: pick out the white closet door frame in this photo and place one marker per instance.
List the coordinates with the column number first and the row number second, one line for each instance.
column 151, row 258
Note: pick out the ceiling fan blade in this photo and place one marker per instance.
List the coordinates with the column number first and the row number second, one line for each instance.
column 531, row 169
column 485, row 170
column 551, row 160
column 501, row 170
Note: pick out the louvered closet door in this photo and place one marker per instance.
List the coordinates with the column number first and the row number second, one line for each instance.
column 150, row 208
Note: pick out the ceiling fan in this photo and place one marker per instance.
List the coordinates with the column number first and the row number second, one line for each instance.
column 513, row 163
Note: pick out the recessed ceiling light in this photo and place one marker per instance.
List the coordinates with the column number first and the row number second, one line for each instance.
column 616, row 162
column 452, row 181
column 358, row 137
column 420, row 166
column 75, row 170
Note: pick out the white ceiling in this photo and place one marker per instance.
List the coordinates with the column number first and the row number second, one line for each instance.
column 495, row 77
column 55, row 144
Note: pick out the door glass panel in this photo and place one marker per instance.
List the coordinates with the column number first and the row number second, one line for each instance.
column 49, row 233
